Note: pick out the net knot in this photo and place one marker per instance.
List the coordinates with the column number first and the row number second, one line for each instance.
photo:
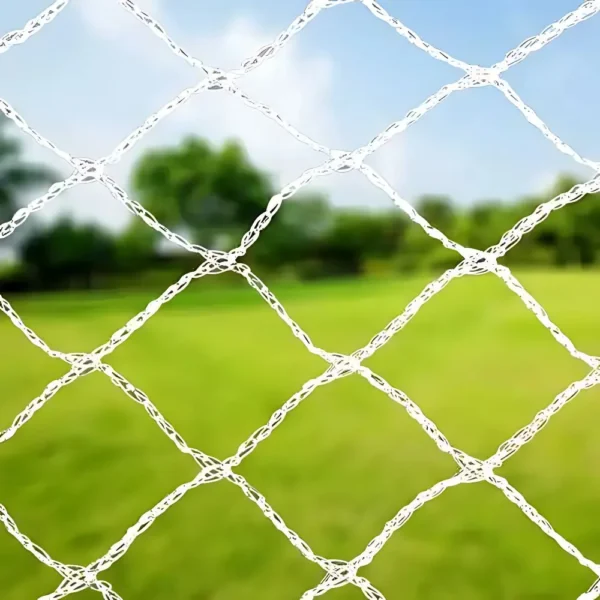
column 479, row 261
column 343, row 161
column 330, row 3
column 88, row 363
column 219, row 80
column 341, row 570
column 223, row 261
column 473, row 468
column 345, row 364
column 212, row 468
column 89, row 170
column 81, row 575
column 483, row 75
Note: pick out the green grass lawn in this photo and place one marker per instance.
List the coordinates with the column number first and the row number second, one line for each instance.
column 217, row 363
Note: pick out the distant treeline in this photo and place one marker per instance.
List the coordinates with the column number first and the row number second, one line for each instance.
column 212, row 195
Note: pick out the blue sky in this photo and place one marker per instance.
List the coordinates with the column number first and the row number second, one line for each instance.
column 95, row 73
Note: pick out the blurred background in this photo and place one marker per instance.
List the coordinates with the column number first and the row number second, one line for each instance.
column 217, row 360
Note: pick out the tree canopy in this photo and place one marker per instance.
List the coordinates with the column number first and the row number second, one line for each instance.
column 16, row 175
column 214, row 193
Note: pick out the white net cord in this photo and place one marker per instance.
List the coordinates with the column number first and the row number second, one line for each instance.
column 470, row 469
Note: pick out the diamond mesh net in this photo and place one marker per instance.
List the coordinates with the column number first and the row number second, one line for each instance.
column 470, row 469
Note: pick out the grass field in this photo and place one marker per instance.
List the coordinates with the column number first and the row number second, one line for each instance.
column 217, row 363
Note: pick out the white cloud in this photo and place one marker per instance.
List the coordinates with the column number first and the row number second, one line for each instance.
column 109, row 19
column 300, row 88
column 296, row 83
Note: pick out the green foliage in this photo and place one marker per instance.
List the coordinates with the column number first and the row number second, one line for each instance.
column 135, row 247
column 210, row 192
column 216, row 193
column 68, row 256
column 17, row 176
column 213, row 195
column 356, row 236
column 293, row 235
column 418, row 250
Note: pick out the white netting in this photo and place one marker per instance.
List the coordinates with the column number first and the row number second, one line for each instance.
column 337, row 572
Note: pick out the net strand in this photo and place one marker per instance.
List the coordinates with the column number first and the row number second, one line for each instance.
column 33, row 26
column 511, row 95
column 337, row 572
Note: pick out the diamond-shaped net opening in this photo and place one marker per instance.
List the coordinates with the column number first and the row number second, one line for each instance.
column 337, row 572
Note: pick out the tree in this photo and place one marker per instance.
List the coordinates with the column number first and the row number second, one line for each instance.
column 294, row 234
column 65, row 255
column 586, row 225
column 577, row 226
column 438, row 211
column 567, row 236
column 214, row 193
column 356, row 236
column 485, row 223
column 16, row 176
column 420, row 251
column 135, row 247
